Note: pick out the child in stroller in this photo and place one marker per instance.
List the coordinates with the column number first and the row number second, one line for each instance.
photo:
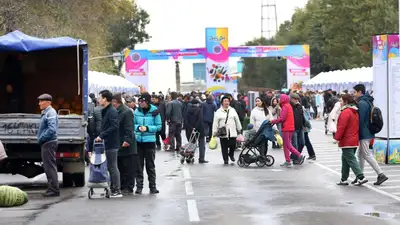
column 253, row 149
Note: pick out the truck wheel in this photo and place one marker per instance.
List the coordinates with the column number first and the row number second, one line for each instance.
column 79, row 179
column 67, row 180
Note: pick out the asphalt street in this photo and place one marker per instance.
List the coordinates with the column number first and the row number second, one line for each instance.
column 216, row 194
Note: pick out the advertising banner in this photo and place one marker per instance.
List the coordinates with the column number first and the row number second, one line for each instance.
column 137, row 67
column 298, row 71
column 217, row 60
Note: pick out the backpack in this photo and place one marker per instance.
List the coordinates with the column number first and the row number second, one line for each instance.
column 375, row 120
column 91, row 128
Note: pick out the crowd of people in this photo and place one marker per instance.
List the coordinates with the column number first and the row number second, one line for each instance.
column 134, row 127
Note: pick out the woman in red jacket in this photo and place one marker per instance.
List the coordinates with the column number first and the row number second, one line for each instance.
column 347, row 135
column 287, row 119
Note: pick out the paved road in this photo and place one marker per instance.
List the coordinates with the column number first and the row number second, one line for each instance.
column 218, row 194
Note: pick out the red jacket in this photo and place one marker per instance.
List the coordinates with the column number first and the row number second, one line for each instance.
column 348, row 128
column 286, row 117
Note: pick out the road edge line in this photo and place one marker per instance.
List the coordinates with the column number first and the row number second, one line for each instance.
column 397, row 198
column 192, row 211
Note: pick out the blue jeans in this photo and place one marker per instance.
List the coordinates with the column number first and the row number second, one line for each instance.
column 298, row 140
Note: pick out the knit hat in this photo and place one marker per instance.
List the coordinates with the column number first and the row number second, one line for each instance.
column 146, row 97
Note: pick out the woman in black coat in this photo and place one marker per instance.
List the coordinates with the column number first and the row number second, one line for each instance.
column 193, row 120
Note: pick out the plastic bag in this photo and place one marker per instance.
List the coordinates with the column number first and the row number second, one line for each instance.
column 3, row 154
column 240, row 138
column 279, row 139
column 332, row 127
column 213, row 143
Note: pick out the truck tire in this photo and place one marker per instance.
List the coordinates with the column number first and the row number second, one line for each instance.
column 79, row 179
column 67, row 180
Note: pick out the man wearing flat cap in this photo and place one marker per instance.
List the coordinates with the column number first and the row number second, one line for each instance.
column 47, row 139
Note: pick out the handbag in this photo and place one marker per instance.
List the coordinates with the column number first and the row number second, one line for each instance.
column 222, row 131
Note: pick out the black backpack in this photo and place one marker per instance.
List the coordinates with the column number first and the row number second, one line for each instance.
column 375, row 120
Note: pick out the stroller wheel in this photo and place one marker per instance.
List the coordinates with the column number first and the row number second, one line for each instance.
column 192, row 161
column 261, row 161
column 240, row 162
column 90, row 193
column 108, row 193
column 326, row 132
column 188, row 161
column 270, row 160
column 182, row 160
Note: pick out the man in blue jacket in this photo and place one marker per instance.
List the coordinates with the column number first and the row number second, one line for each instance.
column 109, row 133
column 147, row 122
column 47, row 139
column 365, row 103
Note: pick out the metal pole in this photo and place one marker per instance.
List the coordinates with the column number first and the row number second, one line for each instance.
column 276, row 21
column 262, row 18
column 387, row 105
column 102, row 57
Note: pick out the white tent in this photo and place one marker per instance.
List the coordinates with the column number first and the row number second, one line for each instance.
column 99, row 81
column 340, row 80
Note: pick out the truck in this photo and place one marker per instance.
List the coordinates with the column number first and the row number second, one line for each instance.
column 31, row 66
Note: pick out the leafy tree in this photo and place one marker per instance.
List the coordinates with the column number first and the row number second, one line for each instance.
column 339, row 34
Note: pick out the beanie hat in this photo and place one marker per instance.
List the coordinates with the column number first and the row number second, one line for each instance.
column 146, row 97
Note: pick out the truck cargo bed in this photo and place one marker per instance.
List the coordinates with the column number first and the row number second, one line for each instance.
column 20, row 128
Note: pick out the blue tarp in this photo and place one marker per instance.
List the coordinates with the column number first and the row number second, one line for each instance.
column 19, row 42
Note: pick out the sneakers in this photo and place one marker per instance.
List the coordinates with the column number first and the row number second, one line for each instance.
column 116, row 194
column 342, row 183
column 138, row 191
column 354, row 181
column 154, row 191
column 232, row 158
column 312, row 158
column 381, row 178
column 287, row 164
column 302, row 159
column 361, row 182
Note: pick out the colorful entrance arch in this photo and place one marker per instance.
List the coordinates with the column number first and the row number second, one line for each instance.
column 217, row 55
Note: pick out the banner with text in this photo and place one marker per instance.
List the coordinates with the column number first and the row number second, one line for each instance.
column 137, row 67
column 217, row 61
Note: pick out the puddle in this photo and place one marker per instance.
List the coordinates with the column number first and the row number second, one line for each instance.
column 349, row 203
column 380, row 215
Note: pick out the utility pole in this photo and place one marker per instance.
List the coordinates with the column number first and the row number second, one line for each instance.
column 178, row 76
column 269, row 18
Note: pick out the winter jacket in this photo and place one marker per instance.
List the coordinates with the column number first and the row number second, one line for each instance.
column 94, row 123
column 109, row 127
column 298, row 116
column 126, row 134
column 347, row 127
column 257, row 117
column 333, row 116
column 151, row 119
column 286, row 117
column 364, row 112
column 48, row 126
column 233, row 124
column 209, row 109
column 175, row 112
column 240, row 109
column 194, row 119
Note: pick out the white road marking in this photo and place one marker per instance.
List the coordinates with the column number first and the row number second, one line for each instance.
column 189, row 188
column 389, row 187
column 192, row 211
column 397, row 198
column 186, row 174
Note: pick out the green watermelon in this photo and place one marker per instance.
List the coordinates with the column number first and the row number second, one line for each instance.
column 12, row 196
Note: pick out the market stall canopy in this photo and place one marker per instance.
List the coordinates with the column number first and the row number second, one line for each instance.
column 99, row 81
column 17, row 41
column 340, row 80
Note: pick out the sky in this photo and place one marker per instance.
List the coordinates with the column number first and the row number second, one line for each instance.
column 182, row 23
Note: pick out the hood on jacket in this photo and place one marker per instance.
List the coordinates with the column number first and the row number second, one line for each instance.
column 283, row 99
column 367, row 98
column 193, row 108
column 352, row 107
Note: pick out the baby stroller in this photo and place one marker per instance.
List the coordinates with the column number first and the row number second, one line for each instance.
column 326, row 118
column 98, row 177
column 188, row 150
column 254, row 150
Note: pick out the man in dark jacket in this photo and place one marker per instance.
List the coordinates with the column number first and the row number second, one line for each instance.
column 365, row 103
column 239, row 107
column 174, row 118
column 299, row 123
column 109, row 134
column 209, row 108
column 194, row 121
column 162, row 109
column 94, row 125
column 127, row 154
